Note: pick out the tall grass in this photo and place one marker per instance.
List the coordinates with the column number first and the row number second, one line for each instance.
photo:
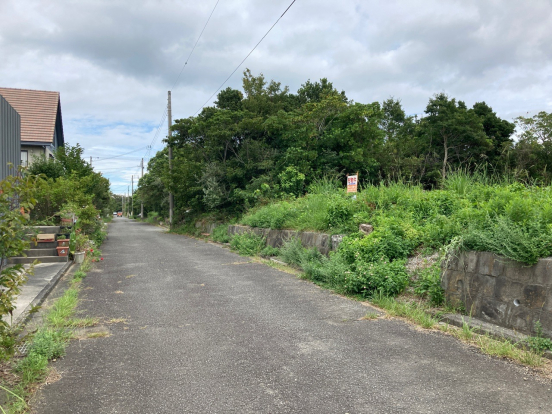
column 487, row 211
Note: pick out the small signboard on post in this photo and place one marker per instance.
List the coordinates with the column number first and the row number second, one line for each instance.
column 352, row 183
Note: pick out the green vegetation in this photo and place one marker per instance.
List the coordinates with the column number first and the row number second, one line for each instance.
column 537, row 343
column 472, row 212
column 48, row 342
column 16, row 201
column 220, row 234
column 48, row 191
column 248, row 244
column 66, row 183
column 413, row 311
column 264, row 143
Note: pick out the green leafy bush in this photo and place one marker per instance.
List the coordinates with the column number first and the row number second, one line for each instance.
column 429, row 285
column 339, row 211
column 220, row 234
column 291, row 251
column 248, row 244
column 273, row 216
column 367, row 278
column 153, row 217
column 270, row 251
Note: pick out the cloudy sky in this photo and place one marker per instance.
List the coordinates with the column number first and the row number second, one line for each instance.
column 113, row 61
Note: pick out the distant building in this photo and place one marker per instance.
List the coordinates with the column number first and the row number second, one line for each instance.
column 41, row 123
column 10, row 139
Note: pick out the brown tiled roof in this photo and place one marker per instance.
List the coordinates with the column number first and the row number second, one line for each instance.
column 38, row 111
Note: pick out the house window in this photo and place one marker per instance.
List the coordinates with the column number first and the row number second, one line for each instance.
column 24, row 158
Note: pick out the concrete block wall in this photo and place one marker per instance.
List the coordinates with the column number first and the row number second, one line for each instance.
column 276, row 238
column 501, row 291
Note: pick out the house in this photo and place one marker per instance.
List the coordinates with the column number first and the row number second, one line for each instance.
column 10, row 139
column 41, row 124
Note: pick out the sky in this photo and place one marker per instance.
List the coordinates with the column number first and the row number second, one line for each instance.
column 113, row 61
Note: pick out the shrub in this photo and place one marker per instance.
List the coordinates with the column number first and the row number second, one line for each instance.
column 524, row 243
column 270, row 251
column 248, row 244
column 386, row 278
column 153, row 217
column 429, row 285
column 273, row 216
column 292, row 252
column 339, row 211
column 220, row 234
column 377, row 245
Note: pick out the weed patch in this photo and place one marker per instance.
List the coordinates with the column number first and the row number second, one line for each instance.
column 248, row 244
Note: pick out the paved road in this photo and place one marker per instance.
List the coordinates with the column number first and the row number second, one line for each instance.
column 209, row 332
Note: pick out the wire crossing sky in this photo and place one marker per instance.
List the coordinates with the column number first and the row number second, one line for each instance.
column 113, row 64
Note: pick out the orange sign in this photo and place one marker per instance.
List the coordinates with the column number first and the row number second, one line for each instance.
column 352, row 183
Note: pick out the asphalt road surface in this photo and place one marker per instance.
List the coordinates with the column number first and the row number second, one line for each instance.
column 207, row 331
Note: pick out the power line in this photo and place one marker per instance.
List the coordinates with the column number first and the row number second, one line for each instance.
column 163, row 117
column 197, row 41
column 244, row 59
column 119, row 155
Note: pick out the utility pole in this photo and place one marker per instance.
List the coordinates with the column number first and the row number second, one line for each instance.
column 142, row 201
column 91, row 160
column 123, row 204
column 128, row 196
column 132, row 193
column 171, row 198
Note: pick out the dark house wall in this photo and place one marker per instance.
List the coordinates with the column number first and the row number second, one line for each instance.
column 10, row 139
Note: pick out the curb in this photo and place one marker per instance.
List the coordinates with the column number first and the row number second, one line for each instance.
column 25, row 316
column 495, row 331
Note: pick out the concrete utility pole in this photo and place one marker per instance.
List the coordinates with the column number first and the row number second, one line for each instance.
column 171, row 199
column 91, row 160
column 123, row 204
column 142, row 201
column 132, row 200
column 128, row 196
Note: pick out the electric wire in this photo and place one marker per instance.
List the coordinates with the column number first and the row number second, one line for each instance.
column 154, row 140
column 120, row 155
column 197, row 41
column 245, row 58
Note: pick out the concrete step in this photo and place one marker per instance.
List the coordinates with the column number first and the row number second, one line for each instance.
column 43, row 245
column 41, row 252
column 44, row 259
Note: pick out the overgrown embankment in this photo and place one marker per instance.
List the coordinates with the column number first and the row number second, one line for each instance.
column 511, row 219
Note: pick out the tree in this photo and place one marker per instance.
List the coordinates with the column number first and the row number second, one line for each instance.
column 315, row 92
column 533, row 151
column 229, row 99
column 453, row 133
column 498, row 131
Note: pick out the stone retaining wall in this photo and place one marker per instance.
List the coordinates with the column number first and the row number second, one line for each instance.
column 205, row 226
column 501, row 291
column 276, row 238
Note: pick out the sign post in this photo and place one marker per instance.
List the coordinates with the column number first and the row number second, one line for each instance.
column 352, row 183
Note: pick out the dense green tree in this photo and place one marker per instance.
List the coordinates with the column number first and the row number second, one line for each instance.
column 533, row 151
column 499, row 131
column 68, row 178
column 264, row 142
column 454, row 134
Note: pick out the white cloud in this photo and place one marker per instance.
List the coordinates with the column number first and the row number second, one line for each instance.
column 113, row 61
